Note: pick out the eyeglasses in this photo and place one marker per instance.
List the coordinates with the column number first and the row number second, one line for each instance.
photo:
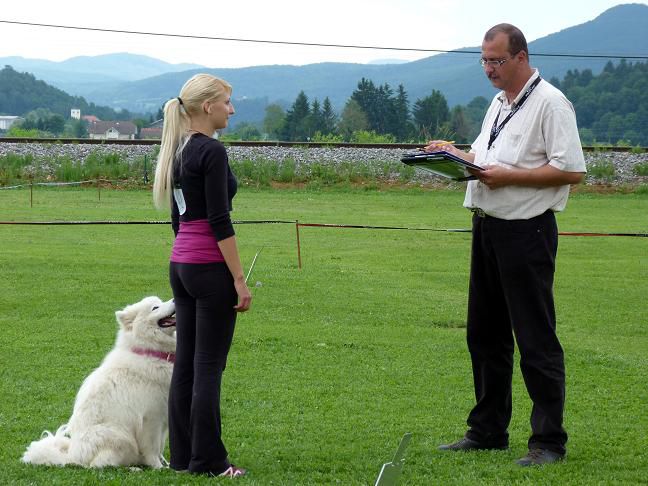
column 493, row 63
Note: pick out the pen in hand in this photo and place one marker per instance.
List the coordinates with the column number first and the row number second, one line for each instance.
column 437, row 144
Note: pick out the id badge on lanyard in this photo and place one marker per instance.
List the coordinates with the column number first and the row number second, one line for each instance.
column 496, row 129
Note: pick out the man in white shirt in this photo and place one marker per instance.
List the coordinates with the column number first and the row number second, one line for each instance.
column 530, row 149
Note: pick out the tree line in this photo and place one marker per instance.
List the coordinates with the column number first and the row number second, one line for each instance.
column 373, row 113
column 611, row 108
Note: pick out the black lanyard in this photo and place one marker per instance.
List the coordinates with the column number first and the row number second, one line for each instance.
column 496, row 129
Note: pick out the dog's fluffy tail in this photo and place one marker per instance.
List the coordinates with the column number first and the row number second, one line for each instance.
column 51, row 449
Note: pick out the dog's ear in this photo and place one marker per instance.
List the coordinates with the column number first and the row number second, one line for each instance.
column 125, row 319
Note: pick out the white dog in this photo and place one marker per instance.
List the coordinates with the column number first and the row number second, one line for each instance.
column 120, row 412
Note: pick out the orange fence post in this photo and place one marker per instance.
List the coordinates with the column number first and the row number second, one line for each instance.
column 299, row 265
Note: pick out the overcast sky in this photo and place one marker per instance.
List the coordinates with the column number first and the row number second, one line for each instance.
column 414, row 24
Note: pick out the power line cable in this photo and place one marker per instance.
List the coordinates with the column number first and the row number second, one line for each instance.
column 309, row 44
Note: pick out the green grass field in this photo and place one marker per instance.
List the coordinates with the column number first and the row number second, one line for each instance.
column 340, row 358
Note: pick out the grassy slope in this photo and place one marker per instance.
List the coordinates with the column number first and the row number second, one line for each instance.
column 339, row 359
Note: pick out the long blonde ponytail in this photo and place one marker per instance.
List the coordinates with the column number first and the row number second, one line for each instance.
column 175, row 127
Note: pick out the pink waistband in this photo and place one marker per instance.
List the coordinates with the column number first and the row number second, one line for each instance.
column 196, row 243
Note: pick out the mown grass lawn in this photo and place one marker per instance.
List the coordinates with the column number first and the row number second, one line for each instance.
column 339, row 358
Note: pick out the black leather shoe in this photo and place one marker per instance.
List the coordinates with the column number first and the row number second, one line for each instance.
column 538, row 457
column 466, row 444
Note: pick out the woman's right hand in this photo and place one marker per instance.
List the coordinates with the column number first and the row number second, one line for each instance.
column 244, row 295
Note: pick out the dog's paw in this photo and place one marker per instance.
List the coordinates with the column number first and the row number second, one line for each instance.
column 153, row 462
column 134, row 469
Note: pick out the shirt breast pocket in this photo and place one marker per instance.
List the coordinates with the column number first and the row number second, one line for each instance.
column 510, row 148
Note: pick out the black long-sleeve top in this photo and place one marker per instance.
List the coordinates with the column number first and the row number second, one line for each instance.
column 208, row 185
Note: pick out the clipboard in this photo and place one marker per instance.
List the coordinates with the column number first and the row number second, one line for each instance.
column 442, row 163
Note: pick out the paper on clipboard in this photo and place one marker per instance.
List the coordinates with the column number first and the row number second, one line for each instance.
column 441, row 163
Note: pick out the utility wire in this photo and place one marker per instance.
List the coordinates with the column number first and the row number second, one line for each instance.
column 310, row 44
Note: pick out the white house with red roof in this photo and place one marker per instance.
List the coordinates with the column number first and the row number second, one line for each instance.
column 112, row 130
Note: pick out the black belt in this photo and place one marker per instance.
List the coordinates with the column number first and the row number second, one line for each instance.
column 479, row 212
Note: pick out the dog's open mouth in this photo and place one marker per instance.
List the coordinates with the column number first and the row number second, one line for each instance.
column 168, row 321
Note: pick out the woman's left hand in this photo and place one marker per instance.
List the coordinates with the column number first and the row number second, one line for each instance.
column 244, row 295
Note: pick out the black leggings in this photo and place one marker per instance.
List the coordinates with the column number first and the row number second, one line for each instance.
column 205, row 297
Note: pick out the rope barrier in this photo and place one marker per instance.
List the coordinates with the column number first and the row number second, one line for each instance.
column 358, row 226
column 97, row 182
column 312, row 225
column 569, row 233
column 297, row 226
column 460, row 230
column 296, row 222
column 52, row 184
column 62, row 223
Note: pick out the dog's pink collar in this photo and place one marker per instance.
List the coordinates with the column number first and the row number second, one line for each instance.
column 170, row 357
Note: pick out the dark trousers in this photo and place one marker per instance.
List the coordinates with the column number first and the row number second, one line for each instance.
column 204, row 298
column 511, row 292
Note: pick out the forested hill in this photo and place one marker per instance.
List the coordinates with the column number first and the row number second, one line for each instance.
column 612, row 106
column 21, row 93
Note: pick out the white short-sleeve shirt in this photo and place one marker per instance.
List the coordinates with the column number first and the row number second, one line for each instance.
column 543, row 131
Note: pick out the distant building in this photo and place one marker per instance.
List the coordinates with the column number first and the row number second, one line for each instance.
column 153, row 130
column 75, row 113
column 112, row 130
column 151, row 133
column 90, row 118
column 7, row 120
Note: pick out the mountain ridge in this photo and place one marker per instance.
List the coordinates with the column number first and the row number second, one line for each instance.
column 114, row 67
column 456, row 74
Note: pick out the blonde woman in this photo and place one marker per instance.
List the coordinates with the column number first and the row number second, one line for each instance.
column 194, row 178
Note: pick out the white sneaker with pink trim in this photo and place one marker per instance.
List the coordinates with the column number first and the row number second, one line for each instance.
column 233, row 472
